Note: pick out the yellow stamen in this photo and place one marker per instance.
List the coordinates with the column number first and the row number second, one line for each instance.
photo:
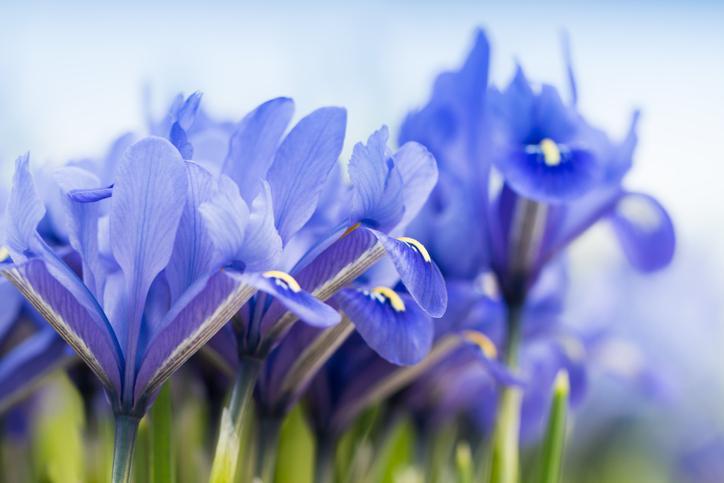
column 394, row 299
column 419, row 246
column 284, row 277
column 350, row 230
column 551, row 153
column 481, row 340
column 4, row 253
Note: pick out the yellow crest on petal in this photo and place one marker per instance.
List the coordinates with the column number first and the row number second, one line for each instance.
column 4, row 253
column 483, row 341
column 284, row 278
column 391, row 296
column 417, row 245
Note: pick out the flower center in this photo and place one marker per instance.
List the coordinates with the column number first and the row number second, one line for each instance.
column 384, row 294
column 551, row 152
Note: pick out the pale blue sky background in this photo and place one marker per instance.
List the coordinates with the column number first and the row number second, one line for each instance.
column 71, row 77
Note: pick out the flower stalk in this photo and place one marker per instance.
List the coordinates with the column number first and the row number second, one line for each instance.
column 224, row 465
column 504, row 466
column 125, row 439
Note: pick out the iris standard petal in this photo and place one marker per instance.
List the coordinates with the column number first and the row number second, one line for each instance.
column 417, row 271
column 82, row 221
column 418, row 169
column 262, row 244
column 254, row 142
column 644, row 230
column 194, row 319
column 23, row 213
column 183, row 120
column 301, row 165
column 377, row 194
column 392, row 325
column 225, row 217
column 28, row 363
column 68, row 307
column 146, row 207
column 286, row 290
column 193, row 249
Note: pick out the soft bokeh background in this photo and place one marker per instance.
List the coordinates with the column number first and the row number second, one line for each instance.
column 72, row 76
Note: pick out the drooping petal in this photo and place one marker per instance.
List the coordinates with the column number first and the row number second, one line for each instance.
column 194, row 319
column 551, row 173
column 71, row 311
column 336, row 267
column 254, row 142
column 392, row 325
column 147, row 204
column 26, row 365
column 301, row 165
column 418, row 169
column 645, row 231
column 193, row 249
column 23, row 213
column 262, row 244
column 417, row 271
column 286, row 290
column 225, row 217
column 377, row 194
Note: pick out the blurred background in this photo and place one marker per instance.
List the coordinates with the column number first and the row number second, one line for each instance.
column 74, row 74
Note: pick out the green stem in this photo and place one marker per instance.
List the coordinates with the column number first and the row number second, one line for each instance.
column 223, row 469
column 268, row 446
column 125, row 438
column 504, row 466
column 324, row 462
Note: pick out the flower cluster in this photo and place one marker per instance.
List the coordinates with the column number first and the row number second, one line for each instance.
column 303, row 279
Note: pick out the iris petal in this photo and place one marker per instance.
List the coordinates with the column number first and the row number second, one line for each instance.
column 644, row 230
column 253, row 144
column 417, row 271
column 194, row 319
column 302, row 163
column 392, row 325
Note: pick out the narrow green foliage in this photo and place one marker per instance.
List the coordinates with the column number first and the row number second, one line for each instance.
column 464, row 463
column 296, row 450
column 161, row 437
column 57, row 433
column 141, row 459
column 554, row 441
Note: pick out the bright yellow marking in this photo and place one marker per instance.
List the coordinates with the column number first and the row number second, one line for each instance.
column 481, row 340
column 350, row 230
column 419, row 246
column 4, row 253
column 391, row 296
column 551, row 153
column 284, row 277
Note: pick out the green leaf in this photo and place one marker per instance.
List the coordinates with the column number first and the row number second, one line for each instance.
column 161, row 437
column 295, row 455
column 553, row 443
column 141, row 459
column 396, row 453
column 464, row 462
column 57, row 433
